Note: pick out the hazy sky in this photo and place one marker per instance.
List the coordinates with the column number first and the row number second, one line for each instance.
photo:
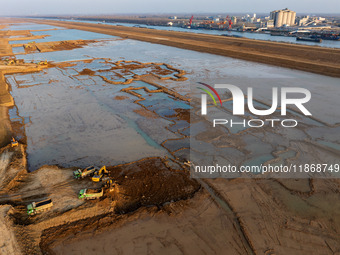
column 42, row 7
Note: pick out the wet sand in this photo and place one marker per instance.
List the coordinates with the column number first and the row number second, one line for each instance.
column 197, row 226
column 306, row 58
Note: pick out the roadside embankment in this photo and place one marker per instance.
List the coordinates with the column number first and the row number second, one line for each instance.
column 6, row 100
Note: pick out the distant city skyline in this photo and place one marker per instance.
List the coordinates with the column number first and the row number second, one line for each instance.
column 51, row 7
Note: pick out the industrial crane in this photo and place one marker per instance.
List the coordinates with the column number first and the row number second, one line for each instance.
column 190, row 21
column 229, row 22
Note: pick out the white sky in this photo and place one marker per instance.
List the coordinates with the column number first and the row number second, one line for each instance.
column 47, row 7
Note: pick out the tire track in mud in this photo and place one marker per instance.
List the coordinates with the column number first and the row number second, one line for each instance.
column 30, row 193
column 239, row 225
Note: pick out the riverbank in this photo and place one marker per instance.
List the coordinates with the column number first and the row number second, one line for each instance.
column 325, row 61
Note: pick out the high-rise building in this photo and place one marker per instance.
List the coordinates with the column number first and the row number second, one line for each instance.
column 283, row 17
column 233, row 19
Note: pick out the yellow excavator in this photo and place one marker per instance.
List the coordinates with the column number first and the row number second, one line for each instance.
column 98, row 175
column 10, row 62
column 14, row 142
column 109, row 185
column 29, row 45
column 43, row 62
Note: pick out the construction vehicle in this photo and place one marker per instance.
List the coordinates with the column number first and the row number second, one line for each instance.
column 81, row 173
column 90, row 193
column 10, row 61
column 14, row 142
column 29, row 45
column 98, row 175
column 38, row 207
column 43, row 62
column 188, row 163
column 229, row 22
column 109, row 185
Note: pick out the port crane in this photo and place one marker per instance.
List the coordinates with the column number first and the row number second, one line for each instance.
column 224, row 23
column 229, row 22
column 190, row 21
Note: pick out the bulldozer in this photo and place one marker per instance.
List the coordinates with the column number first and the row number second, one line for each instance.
column 14, row 143
column 98, row 175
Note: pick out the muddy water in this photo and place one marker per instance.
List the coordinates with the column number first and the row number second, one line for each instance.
column 75, row 120
column 72, row 106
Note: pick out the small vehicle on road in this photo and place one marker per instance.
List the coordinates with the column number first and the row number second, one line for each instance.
column 81, row 173
column 90, row 193
column 38, row 207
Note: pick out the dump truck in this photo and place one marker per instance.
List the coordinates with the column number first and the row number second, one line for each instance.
column 38, row 207
column 90, row 193
column 98, row 175
column 81, row 173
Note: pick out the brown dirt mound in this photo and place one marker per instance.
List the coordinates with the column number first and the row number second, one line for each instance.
column 120, row 97
column 146, row 113
column 87, row 71
column 150, row 182
column 145, row 184
column 181, row 114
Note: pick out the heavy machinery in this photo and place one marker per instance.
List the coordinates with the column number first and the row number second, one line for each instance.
column 230, row 22
column 14, row 142
column 98, row 175
column 90, row 193
column 10, row 62
column 188, row 163
column 43, row 62
column 29, row 45
column 110, row 185
column 188, row 25
column 81, row 173
column 38, row 207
